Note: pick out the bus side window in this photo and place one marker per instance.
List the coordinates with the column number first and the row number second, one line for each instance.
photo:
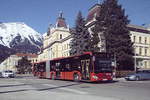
column 76, row 67
column 79, row 67
column 63, row 67
column 52, row 67
column 67, row 67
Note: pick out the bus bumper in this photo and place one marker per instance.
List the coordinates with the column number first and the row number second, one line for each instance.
column 101, row 77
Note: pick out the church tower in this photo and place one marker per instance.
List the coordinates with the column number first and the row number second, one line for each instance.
column 61, row 21
column 56, row 43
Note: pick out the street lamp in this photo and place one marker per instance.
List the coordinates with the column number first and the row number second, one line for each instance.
column 114, row 64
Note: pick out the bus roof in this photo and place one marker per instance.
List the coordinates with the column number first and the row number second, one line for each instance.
column 85, row 53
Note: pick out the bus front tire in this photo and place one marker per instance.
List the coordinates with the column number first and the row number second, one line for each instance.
column 53, row 77
column 76, row 77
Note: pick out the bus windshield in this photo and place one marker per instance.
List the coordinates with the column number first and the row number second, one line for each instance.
column 102, row 65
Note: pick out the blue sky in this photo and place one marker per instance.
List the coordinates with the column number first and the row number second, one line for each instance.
column 40, row 13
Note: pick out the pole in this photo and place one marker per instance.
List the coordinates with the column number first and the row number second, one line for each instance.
column 135, row 60
column 115, row 61
column 115, row 66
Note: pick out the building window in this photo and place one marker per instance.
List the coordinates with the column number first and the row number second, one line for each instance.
column 65, row 46
column 145, row 64
column 140, row 39
column 140, row 51
column 134, row 39
column 60, row 36
column 135, row 53
column 145, row 51
column 145, row 40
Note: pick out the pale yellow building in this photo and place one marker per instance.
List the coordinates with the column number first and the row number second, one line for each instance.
column 11, row 62
column 140, row 36
column 56, row 42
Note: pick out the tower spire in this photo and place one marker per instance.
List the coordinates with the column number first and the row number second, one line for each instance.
column 61, row 21
column 99, row 1
column 60, row 14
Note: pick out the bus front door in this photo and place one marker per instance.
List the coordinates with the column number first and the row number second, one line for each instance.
column 85, row 65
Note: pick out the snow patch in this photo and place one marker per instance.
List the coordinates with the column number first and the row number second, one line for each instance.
column 9, row 31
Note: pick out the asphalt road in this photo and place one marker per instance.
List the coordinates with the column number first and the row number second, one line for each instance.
column 32, row 88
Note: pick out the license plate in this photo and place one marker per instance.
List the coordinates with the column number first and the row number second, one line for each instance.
column 105, row 79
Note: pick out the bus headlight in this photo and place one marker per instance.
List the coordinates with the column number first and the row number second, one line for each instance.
column 108, row 73
column 95, row 77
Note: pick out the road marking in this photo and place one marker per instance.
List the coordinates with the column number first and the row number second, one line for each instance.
column 66, row 89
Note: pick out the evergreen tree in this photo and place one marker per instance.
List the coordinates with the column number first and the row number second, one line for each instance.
column 24, row 66
column 81, row 37
column 94, row 40
column 112, row 22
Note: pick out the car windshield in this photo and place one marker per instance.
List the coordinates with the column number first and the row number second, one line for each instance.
column 131, row 74
column 8, row 71
column 144, row 71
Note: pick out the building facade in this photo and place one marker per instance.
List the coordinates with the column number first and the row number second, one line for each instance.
column 140, row 36
column 91, row 19
column 11, row 62
column 56, row 42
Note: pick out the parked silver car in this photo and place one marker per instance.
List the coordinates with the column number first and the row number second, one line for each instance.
column 140, row 75
column 0, row 74
column 8, row 73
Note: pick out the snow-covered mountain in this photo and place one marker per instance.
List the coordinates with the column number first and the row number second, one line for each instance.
column 44, row 34
column 12, row 34
column 18, row 37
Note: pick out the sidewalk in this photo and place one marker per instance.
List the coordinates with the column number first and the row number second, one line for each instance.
column 24, row 75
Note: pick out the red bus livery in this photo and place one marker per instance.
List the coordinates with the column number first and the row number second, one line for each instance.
column 86, row 67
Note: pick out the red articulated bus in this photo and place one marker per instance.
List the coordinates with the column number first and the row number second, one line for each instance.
column 86, row 67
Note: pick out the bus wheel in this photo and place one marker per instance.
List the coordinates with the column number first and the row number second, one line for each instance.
column 39, row 76
column 53, row 77
column 76, row 77
column 137, row 78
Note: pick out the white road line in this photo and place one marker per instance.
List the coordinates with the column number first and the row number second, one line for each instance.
column 139, row 82
column 67, row 89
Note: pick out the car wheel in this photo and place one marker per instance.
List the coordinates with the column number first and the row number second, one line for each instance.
column 137, row 78
column 126, row 79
